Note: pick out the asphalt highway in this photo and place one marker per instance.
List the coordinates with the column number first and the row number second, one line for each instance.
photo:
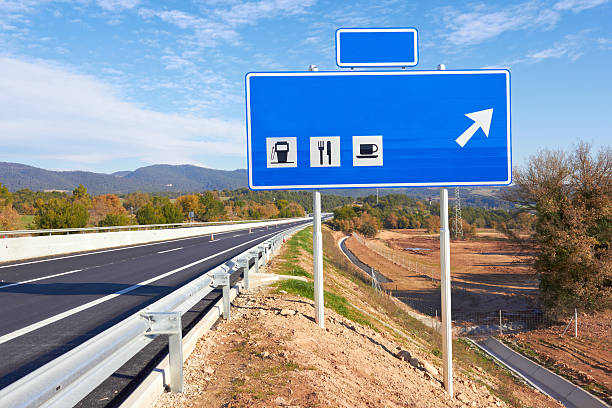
column 51, row 305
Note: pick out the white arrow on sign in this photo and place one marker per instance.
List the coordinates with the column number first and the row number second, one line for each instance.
column 482, row 119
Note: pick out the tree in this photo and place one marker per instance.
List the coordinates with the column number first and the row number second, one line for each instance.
column 134, row 201
column 346, row 212
column 188, row 203
column 103, row 205
column 60, row 213
column 171, row 214
column 80, row 192
column 212, row 208
column 6, row 198
column 9, row 218
column 148, row 215
column 291, row 210
column 368, row 225
column 433, row 223
column 112, row 220
column 571, row 197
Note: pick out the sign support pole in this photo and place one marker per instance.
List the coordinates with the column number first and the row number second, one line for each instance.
column 445, row 289
column 317, row 258
column 317, row 250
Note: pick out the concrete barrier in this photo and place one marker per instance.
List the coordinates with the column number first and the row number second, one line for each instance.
column 14, row 249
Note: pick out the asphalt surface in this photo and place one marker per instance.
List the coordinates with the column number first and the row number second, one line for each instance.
column 51, row 305
column 358, row 263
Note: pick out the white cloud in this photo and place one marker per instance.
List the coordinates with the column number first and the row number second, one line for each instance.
column 578, row 5
column 206, row 33
column 250, row 12
column 220, row 23
column 482, row 22
column 605, row 43
column 48, row 112
column 571, row 47
column 117, row 5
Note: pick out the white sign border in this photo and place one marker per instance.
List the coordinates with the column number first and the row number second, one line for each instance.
column 378, row 64
column 506, row 182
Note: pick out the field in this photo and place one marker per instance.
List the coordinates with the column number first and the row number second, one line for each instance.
column 490, row 273
column 26, row 221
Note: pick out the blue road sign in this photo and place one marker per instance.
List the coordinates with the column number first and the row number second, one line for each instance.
column 376, row 47
column 378, row 129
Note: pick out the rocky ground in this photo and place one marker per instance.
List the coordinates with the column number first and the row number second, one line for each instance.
column 273, row 354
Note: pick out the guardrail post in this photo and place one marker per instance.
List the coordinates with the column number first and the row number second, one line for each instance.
column 169, row 323
column 255, row 253
column 222, row 278
column 244, row 262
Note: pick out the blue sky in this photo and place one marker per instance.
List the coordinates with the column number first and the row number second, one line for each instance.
column 112, row 85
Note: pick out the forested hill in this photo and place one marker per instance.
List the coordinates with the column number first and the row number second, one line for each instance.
column 156, row 178
column 161, row 178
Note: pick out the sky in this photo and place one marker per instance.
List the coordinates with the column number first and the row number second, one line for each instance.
column 109, row 85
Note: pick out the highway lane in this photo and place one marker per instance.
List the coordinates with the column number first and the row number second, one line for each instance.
column 101, row 289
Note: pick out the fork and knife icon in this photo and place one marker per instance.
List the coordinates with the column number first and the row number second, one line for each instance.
column 321, row 147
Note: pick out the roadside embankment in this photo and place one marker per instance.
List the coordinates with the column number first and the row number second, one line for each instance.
column 371, row 353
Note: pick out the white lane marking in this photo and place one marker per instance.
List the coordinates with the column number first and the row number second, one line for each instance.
column 37, row 279
column 169, row 250
column 53, row 319
column 110, row 250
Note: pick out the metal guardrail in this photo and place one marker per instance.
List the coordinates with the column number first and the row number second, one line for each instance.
column 128, row 227
column 63, row 382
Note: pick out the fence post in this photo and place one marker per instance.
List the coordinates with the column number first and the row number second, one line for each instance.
column 575, row 323
column 500, row 323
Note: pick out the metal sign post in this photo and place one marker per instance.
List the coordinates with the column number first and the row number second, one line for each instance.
column 317, row 251
column 317, row 258
column 445, row 292
column 445, row 289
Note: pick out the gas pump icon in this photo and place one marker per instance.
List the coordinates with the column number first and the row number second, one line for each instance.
column 281, row 152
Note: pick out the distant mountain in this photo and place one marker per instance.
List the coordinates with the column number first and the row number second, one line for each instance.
column 156, row 178
column 188, row 178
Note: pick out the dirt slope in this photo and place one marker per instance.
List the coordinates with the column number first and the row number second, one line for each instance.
column 262, row 358
column 272, row 354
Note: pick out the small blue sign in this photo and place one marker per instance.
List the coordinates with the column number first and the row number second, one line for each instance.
column 313, row 130
column 376, row 47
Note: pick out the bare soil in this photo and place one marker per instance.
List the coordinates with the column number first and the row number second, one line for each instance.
column 264, row 359
column 585, row 360
column 488, row 273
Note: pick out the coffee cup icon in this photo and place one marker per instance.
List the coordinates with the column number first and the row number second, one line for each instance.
column 367, row 150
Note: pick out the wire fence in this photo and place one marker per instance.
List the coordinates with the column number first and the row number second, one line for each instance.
column 401, row 260
column 478, row 324
column 474, row 324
